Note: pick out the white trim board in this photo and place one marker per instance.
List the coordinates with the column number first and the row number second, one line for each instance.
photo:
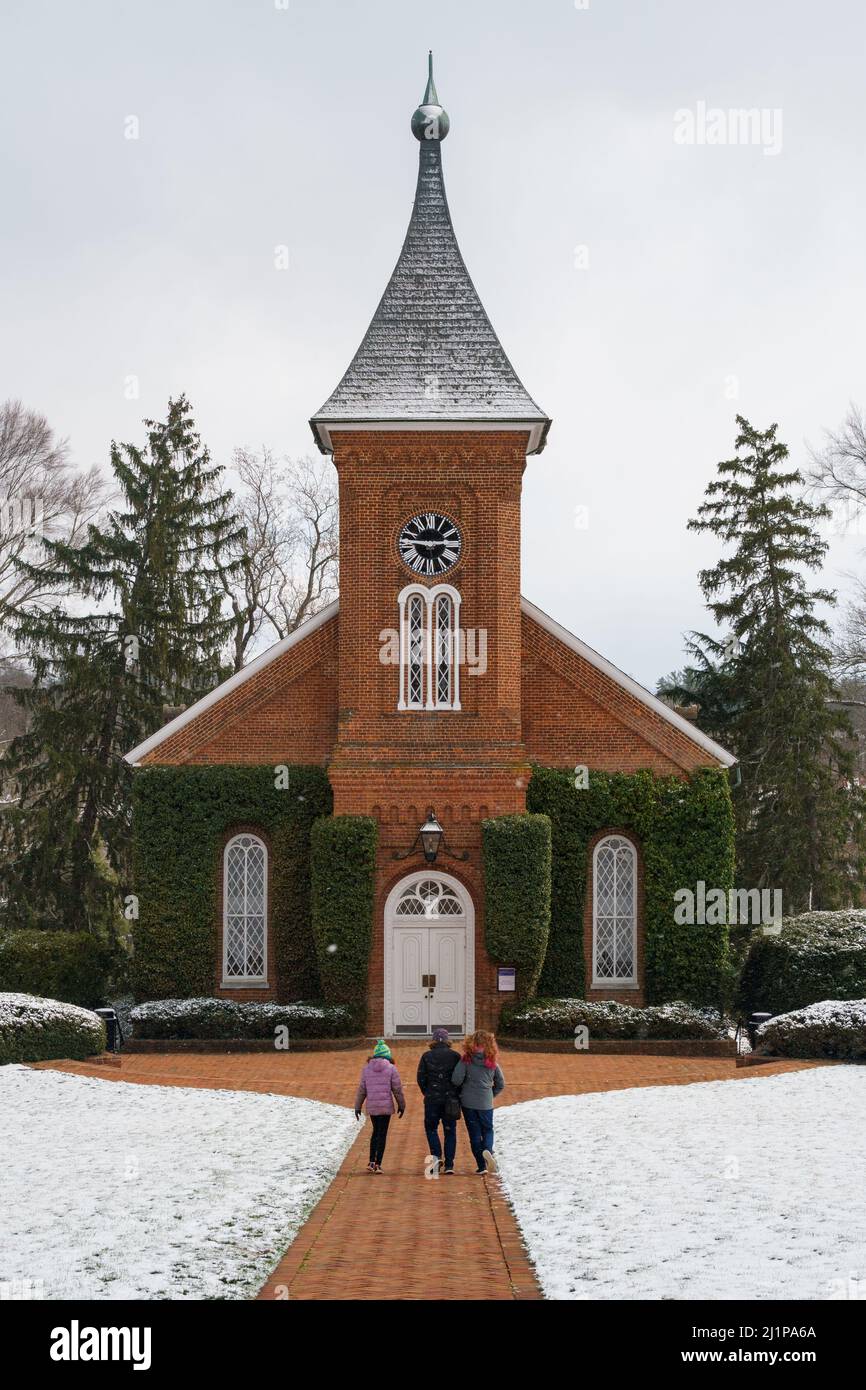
column 536, row 429
column 239, row 678
column 639, row 692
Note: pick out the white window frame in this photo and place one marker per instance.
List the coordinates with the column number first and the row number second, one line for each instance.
column 244, row 981
column 429, row 696
column 600, row 982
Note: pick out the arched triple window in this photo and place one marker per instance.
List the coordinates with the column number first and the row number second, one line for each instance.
column 614, row 913
column 245, row 911
column 429, row 647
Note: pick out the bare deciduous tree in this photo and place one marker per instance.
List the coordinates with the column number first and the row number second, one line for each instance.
column 41, row 494
column 289, row 509
column 838, row 470
column 838, row 476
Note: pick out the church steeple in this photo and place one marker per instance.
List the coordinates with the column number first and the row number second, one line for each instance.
column 430, row 353
column 430, row 120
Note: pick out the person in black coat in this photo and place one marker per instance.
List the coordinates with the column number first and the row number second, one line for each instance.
column 440, row 1097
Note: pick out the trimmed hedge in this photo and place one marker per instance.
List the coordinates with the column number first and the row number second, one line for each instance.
column 685, row 832
column 816, row 956
column 343, row 865
column 224, row 1018
column 517, row 857
column 70, row 966
column 182, row 816
column 833, row 1028
column 37, row 1030
column 558, row 1018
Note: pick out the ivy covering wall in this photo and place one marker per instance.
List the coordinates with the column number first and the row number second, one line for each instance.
column 343, row 887
column 181, row 818
column 686, row 834
column 516, row 851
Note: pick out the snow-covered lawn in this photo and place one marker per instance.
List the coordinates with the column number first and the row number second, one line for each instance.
column 113, row 1190
column 724, row 1189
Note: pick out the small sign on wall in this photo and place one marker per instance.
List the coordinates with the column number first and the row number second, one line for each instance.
column 507, row 978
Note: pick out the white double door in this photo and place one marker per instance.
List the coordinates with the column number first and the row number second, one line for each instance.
column 429, row 979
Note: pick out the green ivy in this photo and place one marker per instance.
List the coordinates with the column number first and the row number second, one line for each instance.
column 517, row 855
column 343, row 884
column 685, row 833
column 181, row 818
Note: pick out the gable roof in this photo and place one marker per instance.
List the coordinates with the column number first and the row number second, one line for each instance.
column 232, row 683
column 639, row 692
column 430, row 353
column 555, row 629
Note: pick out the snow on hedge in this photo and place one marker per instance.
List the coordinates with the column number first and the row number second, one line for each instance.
column 33, row 1029
column 843, row 928
column 126, row 1191
column 558, row 1018
column 746, row 1189
column 832, row 1028
column 208, row 1017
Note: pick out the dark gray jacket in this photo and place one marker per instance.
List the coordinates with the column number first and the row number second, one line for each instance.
column 477, row 1083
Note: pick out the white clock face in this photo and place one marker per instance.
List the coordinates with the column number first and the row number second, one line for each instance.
column 430, row 544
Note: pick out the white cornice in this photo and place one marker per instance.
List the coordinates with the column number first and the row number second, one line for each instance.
column 536, row 429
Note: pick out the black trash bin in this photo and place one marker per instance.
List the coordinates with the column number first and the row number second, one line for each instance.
column 754, row 1023
column 113, row 1034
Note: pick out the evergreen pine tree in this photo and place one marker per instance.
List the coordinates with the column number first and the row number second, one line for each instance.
column 145, row 628
column 799, row 813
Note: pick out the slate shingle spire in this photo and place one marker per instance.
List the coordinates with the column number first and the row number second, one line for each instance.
column 430, row 352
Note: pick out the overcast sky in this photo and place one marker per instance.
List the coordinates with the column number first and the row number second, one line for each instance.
column 646, row 289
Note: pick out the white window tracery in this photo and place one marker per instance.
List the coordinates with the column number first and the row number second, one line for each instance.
column 429, row 648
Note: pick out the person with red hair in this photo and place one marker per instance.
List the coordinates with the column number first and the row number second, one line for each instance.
column 479, row 1079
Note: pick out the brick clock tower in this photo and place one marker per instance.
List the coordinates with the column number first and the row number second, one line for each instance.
column 431, row 686
column 429, row 430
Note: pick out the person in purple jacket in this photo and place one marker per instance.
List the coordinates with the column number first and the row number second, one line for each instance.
column 379, row 1085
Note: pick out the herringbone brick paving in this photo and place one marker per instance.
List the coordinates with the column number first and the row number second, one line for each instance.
column 398, row 1235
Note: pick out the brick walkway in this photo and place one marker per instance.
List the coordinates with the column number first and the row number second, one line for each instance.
column 397, row 1235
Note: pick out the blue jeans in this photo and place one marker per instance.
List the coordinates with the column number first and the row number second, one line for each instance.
column 479, row 1126
column 434, row 1115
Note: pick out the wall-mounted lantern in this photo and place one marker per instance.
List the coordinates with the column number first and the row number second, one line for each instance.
column 432, row 840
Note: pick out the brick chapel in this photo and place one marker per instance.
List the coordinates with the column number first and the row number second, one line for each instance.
column 432, row 685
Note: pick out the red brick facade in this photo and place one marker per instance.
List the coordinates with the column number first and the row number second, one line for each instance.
column 330, row 698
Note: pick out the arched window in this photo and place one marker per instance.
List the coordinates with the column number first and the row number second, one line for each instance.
column 429, row 648
column 614, row 913
column 416, row 635
column 245, row 911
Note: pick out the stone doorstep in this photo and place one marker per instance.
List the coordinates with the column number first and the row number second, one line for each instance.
column 635, row 1047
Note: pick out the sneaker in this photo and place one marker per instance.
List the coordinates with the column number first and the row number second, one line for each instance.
column 490, row 1161
column 371, row 1167
column 449, row 1172
column 481, row 1172
column 377, row 1167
